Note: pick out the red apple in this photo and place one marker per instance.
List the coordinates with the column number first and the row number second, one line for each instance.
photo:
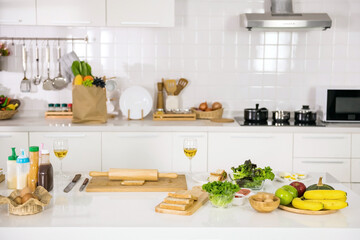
column 300, row 187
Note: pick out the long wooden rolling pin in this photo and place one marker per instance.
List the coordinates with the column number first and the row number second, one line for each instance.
column 133, row 174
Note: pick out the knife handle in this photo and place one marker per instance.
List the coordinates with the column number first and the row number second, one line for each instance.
column 76, row 178
column 85, row 181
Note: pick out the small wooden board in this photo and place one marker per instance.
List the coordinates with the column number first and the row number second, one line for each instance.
column 59, row 115
column 2, row 177
column 103, row 184
column 222, row 120
column 174, row 116
column 204, row 197
column 290, row 208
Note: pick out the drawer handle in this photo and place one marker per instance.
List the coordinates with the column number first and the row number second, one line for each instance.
column 322, row 162
column 192, row 136
column 140, row 23
column 138, row 136
column 71, row 22
column 252, row 137
column 5, row 136
column 65, row 136
column 318, row 137
column 10, row 21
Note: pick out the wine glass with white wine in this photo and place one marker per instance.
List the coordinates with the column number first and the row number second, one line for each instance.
column 190, row 149
column 61, row 148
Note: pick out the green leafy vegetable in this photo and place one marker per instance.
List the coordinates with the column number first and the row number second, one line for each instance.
column 82, row 68
column 221, row 193
column 250, row 171
column 87, row 83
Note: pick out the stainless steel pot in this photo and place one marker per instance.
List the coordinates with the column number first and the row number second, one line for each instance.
column 256, row 114
column 305, row 115
column 281, row 116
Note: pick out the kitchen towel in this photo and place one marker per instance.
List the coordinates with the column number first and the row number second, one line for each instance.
column 89, row 104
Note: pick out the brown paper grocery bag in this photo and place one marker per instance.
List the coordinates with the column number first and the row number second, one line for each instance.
column 89, row 104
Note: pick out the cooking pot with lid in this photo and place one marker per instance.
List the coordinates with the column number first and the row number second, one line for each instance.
column 256, row 114
column 305, row 115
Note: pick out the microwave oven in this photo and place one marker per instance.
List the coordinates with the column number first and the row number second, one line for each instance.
column 338, row 104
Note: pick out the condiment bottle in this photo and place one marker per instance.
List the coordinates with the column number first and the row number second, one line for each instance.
column 11, row 170
column 34, row 167
column 22, row 170
column 46, row 175
column 64, row 107
column 51, row 107
column 57, row 107
column 70, row 107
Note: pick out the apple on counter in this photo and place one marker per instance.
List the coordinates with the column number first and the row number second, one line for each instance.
column 286, row 194
column 300, row 187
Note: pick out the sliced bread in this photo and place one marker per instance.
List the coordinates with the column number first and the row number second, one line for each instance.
column 179, row 207
column 182, row 201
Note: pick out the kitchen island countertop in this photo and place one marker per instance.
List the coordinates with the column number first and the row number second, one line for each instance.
column 132, row 216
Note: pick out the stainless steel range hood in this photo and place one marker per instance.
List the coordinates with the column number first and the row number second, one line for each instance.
column 282, row 17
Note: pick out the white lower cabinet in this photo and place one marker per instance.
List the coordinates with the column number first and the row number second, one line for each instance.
column 355, row 158
column 232, row 149
column 84, row 149
column 180, row 162
column 337, row 167
column 12, row 139
column 144, row 150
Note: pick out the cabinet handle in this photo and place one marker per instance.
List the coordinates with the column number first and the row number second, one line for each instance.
column 252, row 137
column 71, row 22
column 5, row 136
column 65, row 136
column 192, row 136
column 322, row 161
column 138, row 136
column 140, row 23
column 10, row 21
column 322, row 137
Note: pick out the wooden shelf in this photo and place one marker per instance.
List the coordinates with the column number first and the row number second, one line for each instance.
column 160, row 116
column 67, row 115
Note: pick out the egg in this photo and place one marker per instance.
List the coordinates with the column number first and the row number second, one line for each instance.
column 25, row 191
column 26, row 197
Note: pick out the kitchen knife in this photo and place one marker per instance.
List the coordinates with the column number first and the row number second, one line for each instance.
column 72, row 183
column 84, row 184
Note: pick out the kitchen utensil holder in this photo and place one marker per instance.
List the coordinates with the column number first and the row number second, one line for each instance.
column 142, row 115
column 172, row 103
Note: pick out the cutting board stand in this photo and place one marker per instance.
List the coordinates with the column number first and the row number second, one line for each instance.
column 103, row 184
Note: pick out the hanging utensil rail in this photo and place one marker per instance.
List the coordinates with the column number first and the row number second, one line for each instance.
column 86, row 39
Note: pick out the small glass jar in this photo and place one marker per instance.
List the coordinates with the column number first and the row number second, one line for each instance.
column 57, row 107
column 70, row 107
column 51, row 107
column 64, row 107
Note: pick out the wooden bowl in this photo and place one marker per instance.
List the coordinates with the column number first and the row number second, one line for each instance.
column 264, row 202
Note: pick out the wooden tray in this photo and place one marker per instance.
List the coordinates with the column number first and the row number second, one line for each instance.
column 103, row 184
column 204, row 197
column 174, row 116
column 290, row 208
column 58, row 115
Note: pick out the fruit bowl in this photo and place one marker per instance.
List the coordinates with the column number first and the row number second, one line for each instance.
column 264, row 202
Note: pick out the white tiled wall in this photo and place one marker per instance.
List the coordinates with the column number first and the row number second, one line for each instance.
column 223, row 62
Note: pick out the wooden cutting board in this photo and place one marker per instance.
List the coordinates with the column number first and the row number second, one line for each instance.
column 103, row 184
column 290, row 208
column 203, row 198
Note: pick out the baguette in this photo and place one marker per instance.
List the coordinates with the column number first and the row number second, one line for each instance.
column 179, row 207
column 182, row 201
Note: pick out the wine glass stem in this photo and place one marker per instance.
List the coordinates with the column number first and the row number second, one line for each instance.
column 190, row 165
column 61, row 172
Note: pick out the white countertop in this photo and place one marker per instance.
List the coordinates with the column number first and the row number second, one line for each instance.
column 132, row 215
column 40, row 124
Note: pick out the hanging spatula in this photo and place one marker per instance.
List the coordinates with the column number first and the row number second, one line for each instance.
column 181, row 85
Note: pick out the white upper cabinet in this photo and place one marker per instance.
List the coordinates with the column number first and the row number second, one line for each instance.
column 143, row 13
column 18, row 12
column 71, row 13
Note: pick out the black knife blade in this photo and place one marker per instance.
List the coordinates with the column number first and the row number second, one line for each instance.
column 72, row 183
column 84, row 184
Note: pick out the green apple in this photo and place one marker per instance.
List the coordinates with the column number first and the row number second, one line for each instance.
column 285, row 196
column 291, row 189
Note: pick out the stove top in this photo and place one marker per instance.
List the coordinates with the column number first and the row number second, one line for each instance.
column 271, row 123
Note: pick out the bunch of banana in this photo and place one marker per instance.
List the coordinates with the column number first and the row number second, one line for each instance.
column 316, row 200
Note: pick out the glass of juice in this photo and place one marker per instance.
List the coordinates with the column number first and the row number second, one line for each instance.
column 190, row 149
column 61, row 148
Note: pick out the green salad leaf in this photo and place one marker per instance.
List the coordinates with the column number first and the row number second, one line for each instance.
column 250, row 171
column 221, row 188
